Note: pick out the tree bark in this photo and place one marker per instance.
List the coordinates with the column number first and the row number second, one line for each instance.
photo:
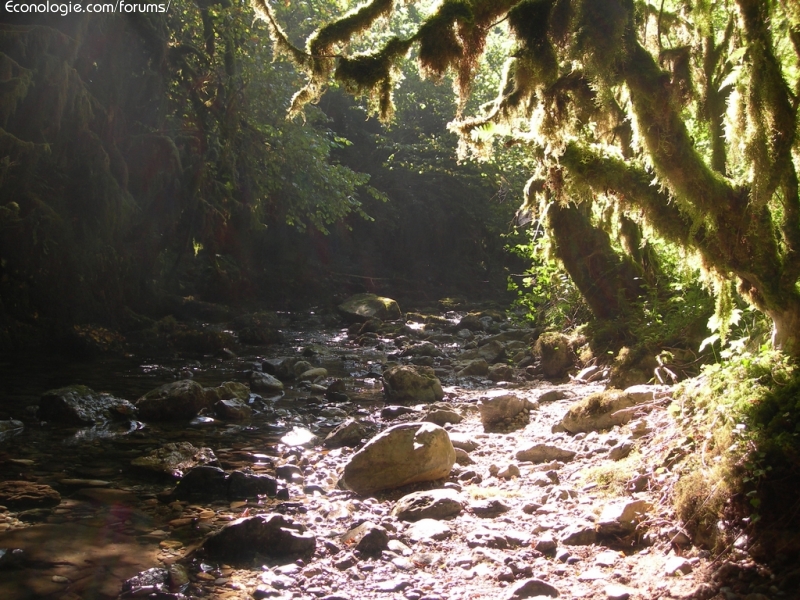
column 609, row 283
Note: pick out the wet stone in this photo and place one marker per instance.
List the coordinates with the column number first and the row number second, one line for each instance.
column 179, row 400
column 271, row 535
column 249, row 485
column 233, row 410
column 203, row 482
column 175, row 458
column 80, row 405
column 9, row 429
column 265, row 383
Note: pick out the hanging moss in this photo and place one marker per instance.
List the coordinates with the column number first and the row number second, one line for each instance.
column 342, row 30
column 530, row 22
column 280, row 41
column 439, row 47
column 677, row 62
column 371, row 75
column 601, row 27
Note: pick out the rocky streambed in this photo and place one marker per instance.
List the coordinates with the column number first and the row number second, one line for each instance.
column 443, row 457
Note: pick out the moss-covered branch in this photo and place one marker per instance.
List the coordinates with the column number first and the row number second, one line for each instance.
column 771, row 113
column 667, row 140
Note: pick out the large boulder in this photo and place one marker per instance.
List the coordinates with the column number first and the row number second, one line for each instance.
column 80, row 405
column 604, row 410
column 179, row 400
column 403, row 454
column 413, row 384
column 268, row 535
column 363, row 307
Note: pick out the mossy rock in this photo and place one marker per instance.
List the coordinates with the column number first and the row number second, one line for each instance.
column 632, row 367
column 362, row 307
column 228, row 390
column 599, row 411
column 555, row 353
column 179, row 400
column 80, row 405
column 415, row 384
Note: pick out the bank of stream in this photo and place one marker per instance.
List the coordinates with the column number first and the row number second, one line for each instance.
column 586, row 517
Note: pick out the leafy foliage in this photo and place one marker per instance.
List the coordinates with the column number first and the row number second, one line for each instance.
column 681, row 114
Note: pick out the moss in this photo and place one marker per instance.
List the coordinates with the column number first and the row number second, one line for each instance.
column 439, row 46
column 340, row 31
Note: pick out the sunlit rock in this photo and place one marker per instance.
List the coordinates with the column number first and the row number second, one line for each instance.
column 362, row 307
column 403, row 454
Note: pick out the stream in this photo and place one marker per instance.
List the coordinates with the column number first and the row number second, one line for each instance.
column 117, row 531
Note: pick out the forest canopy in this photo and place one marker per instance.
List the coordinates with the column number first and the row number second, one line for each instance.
column 682, row 114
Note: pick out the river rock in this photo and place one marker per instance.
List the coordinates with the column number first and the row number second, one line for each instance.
column 203, row 482
column 497, row 411
column 442, row 416
column 368, row 538
column 478, row 367
column 9, row 429
column 270, row 535
column 531, row 588
column 350, row 433
column 313, row 374
column 431, row 504
column 501, row 372
column 229, row 390
column 175, row 458
column 362, row 307
column 428, row 529
column 25, row 495
column 282, row 368
column 422, row 349
column 471, row 322
column 413, row 384
column 621, row 518
column 174, row 401
column 554, row 351
column 80, row 405
column 403, row 454
column 601, row 410
column 233, row 410
column 263, row 382
column 249, row 485
column 539, row 453
column 492, row 352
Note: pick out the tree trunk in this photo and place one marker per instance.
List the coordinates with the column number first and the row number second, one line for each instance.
column 608, row 282
column 786, row 329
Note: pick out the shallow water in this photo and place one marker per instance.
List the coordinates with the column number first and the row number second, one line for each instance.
column 94, row 540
